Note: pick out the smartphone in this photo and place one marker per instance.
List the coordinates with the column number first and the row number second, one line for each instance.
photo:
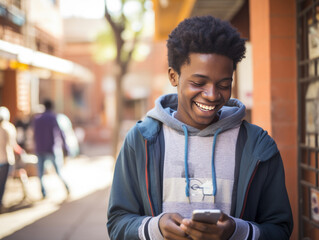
column 206, row 215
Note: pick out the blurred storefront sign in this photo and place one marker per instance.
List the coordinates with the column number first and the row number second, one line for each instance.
column 21, row 58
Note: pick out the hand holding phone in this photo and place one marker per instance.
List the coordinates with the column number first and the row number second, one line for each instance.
column 206, row 215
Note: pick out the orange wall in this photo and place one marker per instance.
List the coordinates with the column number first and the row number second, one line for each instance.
column 260, row 39
column 9, row 93
column 273, row 37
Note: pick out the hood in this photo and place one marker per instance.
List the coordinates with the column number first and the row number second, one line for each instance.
column 259, row 144
column 230, row 116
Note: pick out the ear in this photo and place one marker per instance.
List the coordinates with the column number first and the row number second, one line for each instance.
column 173, row 77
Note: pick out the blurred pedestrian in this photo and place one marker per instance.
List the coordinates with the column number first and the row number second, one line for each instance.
column 8, row 146
column 49, row 143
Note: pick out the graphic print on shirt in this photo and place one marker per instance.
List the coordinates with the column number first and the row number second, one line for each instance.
column 205, row 189
column 199, row 188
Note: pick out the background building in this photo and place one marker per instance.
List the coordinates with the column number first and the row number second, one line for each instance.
column 31, row 67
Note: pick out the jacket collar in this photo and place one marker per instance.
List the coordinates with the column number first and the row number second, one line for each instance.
column 149, row 128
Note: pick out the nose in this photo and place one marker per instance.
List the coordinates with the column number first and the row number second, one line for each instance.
column 211, row 93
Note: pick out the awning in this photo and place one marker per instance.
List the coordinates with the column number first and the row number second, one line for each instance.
column 42, row 60
column 168, row 13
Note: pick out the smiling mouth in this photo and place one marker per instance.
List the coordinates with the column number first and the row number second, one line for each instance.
column 205, row 107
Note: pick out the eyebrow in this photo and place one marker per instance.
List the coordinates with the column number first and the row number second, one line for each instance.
column 200, row 75
column 206, row 77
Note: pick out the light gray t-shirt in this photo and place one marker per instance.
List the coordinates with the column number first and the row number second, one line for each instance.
column 200, row 171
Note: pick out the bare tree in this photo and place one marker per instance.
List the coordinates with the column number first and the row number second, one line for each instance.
column 119, row 23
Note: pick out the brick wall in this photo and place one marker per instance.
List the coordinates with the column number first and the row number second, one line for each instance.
column 273, row 37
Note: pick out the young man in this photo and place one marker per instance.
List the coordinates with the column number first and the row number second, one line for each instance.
column 194, row 151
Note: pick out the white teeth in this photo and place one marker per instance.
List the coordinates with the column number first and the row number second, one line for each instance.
column 205, row 107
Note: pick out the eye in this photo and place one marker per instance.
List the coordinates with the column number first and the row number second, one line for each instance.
column 224, row 85
column 197, row 84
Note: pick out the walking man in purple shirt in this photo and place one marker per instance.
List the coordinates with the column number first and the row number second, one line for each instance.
column 49, row 143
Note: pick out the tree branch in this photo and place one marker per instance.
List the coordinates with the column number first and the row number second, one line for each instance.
column 109, row 18
column 130, row 53
column 117, row 28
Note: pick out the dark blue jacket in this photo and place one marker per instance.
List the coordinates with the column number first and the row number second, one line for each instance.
column 259, row 194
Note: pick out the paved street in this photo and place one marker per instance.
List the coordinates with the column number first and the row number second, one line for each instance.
column 81, row 215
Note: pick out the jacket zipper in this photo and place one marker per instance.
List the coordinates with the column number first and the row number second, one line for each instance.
column 247, row 190
column 146, row 179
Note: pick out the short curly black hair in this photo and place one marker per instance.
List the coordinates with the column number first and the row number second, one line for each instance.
column 204, row 34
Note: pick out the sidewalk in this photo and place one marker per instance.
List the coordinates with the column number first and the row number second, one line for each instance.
column 81, row 216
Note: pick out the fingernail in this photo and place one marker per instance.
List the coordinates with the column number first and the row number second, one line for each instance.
column 183, row 227
column 186, row 221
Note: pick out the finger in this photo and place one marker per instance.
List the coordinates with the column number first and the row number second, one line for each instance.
column 223, row 217
column 174, row 237
column 195, row 234
column 177, row 235
column 203, row 227
column 170, row 226
column 227, row 226
column 177, row 218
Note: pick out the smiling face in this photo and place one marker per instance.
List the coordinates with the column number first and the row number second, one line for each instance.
column 203, row 87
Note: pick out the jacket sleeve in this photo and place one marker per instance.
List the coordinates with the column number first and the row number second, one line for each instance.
column 272, row 212
column 126, row 210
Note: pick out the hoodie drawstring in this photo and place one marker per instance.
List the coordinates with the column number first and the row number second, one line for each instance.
column 214, row 181
column 185, row 160
column 213, row 163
